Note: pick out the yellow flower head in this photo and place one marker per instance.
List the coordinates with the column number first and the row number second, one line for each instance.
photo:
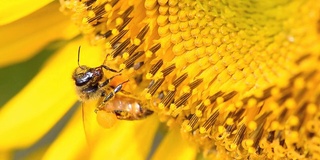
column 239, row 78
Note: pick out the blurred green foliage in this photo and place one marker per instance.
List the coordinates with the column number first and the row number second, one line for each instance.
column 14, row 77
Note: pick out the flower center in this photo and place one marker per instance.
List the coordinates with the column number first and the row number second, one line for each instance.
column 237, row 76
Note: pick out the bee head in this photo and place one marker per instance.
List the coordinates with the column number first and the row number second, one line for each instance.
column 84, row 75
column 81, row 76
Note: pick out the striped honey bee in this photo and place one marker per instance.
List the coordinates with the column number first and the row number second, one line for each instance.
column 92, row 84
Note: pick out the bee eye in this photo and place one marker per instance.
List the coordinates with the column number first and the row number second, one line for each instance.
column 84, row 78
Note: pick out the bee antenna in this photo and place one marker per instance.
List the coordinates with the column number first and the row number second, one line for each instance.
column 79, row 57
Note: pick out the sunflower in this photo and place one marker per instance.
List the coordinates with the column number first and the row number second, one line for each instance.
column 37, row 125
column 237, row 79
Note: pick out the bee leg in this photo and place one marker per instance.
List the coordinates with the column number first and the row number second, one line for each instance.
column 117, row 89
column 110, row 69
column 109, row 96
column 100, row 107
column 108, row 80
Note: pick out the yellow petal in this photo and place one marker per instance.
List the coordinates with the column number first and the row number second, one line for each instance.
column 22, row 39
column 5, row 155
column 13, row 10
column 125, row 140
column 174, row 147
column 32, row 112
column 135, row 137
column 72, row 134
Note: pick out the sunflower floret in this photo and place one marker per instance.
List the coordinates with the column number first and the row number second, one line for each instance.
column 240, row 78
